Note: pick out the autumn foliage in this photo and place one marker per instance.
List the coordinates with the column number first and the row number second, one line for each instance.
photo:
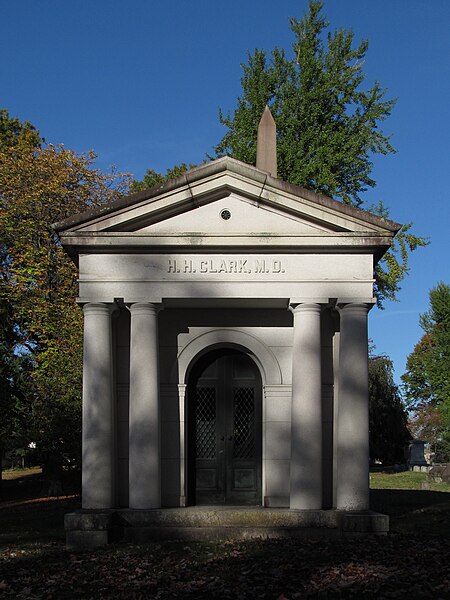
column 41, row 184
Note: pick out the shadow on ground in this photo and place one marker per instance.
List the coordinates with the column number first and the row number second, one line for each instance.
column 410, row 563
column 414, row 511
column 29, row 515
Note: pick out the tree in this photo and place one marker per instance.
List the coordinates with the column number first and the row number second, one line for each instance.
column 13, row 132
column 14, row 388
column 39, row 185
column 14, row 367
column 152, row 178
column 427, row 377
column 426, row 424
column 327, row 125
column 388, row 431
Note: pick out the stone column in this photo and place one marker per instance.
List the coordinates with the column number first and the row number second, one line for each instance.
column 306, row 427
column 144, row 444
column 353, row 410
column 98, row 415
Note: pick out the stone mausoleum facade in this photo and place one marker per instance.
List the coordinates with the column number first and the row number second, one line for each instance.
column 225, row 347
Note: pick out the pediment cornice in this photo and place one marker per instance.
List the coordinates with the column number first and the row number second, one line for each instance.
column 314, row 222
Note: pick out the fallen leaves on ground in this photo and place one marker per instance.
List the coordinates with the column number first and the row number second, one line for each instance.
column 377, row 567
column 40, row 501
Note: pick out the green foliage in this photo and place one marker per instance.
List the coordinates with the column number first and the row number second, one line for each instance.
column 41, row 184
column 152, row 178
column 328, row 126
column 388, row 432
column 394, row 265
column 427, row 377
column 15, row 390
column 427, row 424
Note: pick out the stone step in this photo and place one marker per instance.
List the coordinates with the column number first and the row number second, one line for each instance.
column 86, row 529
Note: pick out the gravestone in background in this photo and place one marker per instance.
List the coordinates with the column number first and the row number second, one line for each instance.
column 416, row 457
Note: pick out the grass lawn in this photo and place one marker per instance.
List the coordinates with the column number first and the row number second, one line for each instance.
column 411, row 562
column 405, row 480
column 13, row 474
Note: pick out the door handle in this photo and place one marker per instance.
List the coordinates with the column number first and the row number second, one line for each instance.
column 222, row 438
column 230, row 437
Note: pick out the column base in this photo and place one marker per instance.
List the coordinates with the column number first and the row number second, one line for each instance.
column 355, row 524
column 88, row 529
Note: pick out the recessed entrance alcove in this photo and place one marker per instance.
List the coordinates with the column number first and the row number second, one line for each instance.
column 224, row 430
column 225, row 358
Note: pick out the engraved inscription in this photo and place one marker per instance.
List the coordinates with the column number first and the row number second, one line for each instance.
column 215, row 265
column 181, row 266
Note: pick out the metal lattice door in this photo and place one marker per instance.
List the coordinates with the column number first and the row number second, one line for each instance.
column 224, row 430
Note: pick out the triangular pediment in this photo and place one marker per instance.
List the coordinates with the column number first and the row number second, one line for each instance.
column 226, row 199
column 234, row 214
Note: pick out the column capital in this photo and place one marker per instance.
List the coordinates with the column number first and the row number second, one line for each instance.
column 100, row 308
column 356, row 307
column 143, row 308
column 305, row 307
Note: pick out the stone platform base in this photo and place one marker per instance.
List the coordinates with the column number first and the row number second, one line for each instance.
column 91, row 529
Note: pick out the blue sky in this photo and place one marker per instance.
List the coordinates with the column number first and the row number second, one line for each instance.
column 141, row 82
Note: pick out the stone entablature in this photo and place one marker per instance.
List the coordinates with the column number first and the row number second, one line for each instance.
column 135, row 277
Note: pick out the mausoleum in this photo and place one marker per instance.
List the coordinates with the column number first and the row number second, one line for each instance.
column 225, row 353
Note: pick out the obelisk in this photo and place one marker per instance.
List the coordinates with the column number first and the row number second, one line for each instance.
column 266, row 147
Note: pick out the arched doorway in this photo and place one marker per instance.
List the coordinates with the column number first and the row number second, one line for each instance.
column 224, row 429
